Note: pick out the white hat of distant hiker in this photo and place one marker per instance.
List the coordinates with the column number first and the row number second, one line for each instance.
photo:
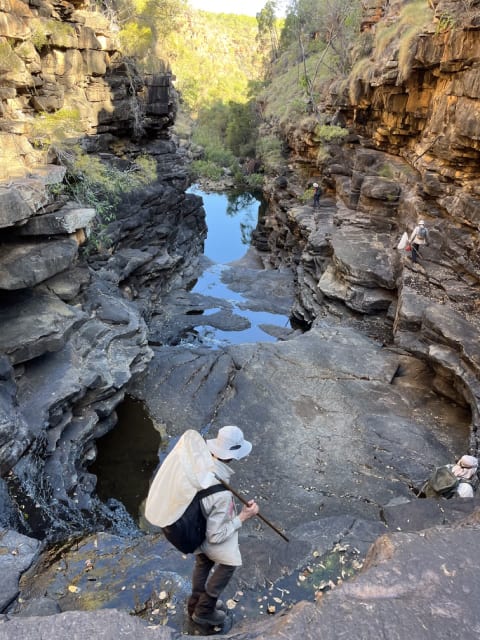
column 229, row 444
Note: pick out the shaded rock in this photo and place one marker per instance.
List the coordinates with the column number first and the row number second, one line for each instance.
column 108, row 624
column 35, row 322
column 365, row 258
column 17, row 554
column 365, row 300
column 424, row 513
column 13, row 207
column 27, row 264
column 40, row 607
column 67, row 285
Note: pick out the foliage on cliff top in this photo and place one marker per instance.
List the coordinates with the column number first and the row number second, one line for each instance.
column 395, row 40
column 315, row 47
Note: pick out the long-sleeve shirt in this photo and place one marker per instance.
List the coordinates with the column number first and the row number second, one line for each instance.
column 223, row 523
column 415, row 238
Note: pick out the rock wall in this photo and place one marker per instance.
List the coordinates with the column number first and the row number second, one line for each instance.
column 410, row 151
column 59, row 59
column 72, row 325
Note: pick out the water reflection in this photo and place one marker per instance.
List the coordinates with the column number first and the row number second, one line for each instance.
column 231, row 220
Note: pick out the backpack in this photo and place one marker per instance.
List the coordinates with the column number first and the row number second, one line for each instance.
column 422, row 233
column 442, row 483
column 188, row 532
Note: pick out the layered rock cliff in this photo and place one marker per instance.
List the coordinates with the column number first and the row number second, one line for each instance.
column 72, row 324
column 410, row 151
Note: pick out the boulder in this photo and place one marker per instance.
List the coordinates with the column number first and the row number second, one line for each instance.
column 26, row 264
column 35, row 322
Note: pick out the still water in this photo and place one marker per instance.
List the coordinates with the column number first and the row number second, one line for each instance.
column 231, row 220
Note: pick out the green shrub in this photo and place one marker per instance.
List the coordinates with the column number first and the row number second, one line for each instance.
column 411, row 21
column 206, row 169
column 91, row 182
column 445, row 22
column 136, row 40
column 359, row 80
column 39, row 36
column 386, row 171
column 254, row 181
column 406, row 53
column 55, row 129
column 328, row 133
column 50, row 31
column 269, row 150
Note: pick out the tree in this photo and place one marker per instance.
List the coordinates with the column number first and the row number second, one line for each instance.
column 146, row 24
column 266, row 20
column 323, row 31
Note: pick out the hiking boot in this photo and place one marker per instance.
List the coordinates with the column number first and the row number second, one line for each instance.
column 207, row 613
column 192, row 603
column 216, row 618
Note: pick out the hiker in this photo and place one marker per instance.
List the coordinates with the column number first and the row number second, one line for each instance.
column 418, row 237
column 317, row 192
column 459, row 479
column 466, row 471
column 220, row 550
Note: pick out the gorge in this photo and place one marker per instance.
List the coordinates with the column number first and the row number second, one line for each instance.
column 346, row 416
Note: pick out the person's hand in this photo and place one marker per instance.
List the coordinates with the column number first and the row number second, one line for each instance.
column 248, row 511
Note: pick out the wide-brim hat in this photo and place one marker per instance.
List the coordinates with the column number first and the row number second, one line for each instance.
column 229, row 444
column 468, row 462
column 421, row 222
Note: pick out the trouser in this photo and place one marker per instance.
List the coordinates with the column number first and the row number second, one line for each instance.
column 415, row 251
column 206, row 587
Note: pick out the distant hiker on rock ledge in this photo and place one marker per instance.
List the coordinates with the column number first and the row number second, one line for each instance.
column 419, row 237
column 317, row 192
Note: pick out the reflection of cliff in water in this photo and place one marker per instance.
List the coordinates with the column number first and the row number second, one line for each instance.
column 237, row 312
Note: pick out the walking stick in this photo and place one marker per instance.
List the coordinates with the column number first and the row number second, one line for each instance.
column 245, row 502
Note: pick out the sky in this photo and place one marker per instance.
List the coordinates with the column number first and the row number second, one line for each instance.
column 244, row 7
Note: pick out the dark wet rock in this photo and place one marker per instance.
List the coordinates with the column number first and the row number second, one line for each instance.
column 145, row 577
column 17, row 554
column 9, row 517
